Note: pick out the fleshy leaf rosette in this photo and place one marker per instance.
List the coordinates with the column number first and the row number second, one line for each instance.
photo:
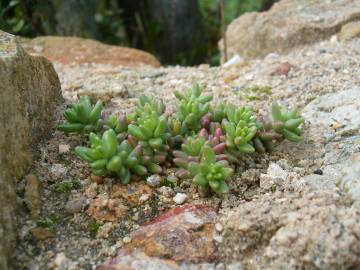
column 240, row 128
column 82, row 117
column 151, row 131
column 209, row 173
column 287, row 123
column 145, row 104
column 106, row 156
column 193, row 106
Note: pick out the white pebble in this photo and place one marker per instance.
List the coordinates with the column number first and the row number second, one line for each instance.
column 154, row 180
column 64, row 148
column 126, row 239
column 144, row 197
column 180, row 198
column 219, row 227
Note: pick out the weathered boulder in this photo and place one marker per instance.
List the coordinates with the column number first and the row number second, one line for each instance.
column 179, row 239
column 315, row 230
column 288, row 24
column 334, row 118
column 29, row 93
column 350, row 30
column 73, row 50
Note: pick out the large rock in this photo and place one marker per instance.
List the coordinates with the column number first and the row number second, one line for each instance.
column 180, row 239
column 316, row 230
column 288, row 24
column 73, row 50
column 29, row 93
column 335, row 121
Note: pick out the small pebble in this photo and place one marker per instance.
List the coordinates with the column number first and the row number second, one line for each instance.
column 219, row 227
column 58, row 171
column 154, row 180
column 283, row 69
column 319, row 172
column 166, row 191
column 126, row 239
column 218, row 238
column 64, row 148
column 40, row 233
column 75, row 205
column 97, row 179
column 32, row 196
column 180, row 198
column 144, row 197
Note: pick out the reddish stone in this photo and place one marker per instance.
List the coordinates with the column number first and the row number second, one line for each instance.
column 73, row 50
column 97, row 179
column 283, row 69
column 131, row 193
column 184, row 235
column 105, row 209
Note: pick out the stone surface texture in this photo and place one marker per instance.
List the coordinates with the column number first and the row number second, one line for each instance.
column 74, row 50
column 29, row 93
column 315, row 230
column 288, row 24
column 179, row 239
column 334, row 118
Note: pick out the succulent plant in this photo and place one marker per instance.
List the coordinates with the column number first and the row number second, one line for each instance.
column 119, row 125
column 191, row 149
column 287, row 123
column 265, row 137
column 107, row 156
column 209, row 173
column 82, row 117
column 219, row 112
column 144, row 104
column 240, row 128
column 192, row 108
column 199, row 140
column 151, row 131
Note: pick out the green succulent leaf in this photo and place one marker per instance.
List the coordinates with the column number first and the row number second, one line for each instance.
column 109, row 142
column 208, row 155
column 83, row 152
column 200, row 180
column 72, row 127
column 276, row 112
column 115, row 164
column 246, row 148
column 194, row 168
column 293, row 123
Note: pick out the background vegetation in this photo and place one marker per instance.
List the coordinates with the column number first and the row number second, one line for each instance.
column 182, row 32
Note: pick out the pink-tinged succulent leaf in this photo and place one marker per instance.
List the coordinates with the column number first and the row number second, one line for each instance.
column 220, row 148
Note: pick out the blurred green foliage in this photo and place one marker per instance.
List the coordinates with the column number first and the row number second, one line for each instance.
column 105, row 20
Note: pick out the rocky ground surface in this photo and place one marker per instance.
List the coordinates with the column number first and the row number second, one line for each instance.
column 295, row 208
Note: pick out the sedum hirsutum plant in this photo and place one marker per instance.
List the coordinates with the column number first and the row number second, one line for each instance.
column 147, row 103
column 210, row 173
column 287, row 123
column 119, row 125
column 82, row 117
column 192, row 107
column 150, row 131
column 203, row 142
column 106, row 156
column 265, row 137
column 240, row 128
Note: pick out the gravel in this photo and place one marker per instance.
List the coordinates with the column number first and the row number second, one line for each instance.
column 316, row 70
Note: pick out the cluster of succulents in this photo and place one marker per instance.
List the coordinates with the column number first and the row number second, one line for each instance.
column 202, row 141
column 107, row 156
